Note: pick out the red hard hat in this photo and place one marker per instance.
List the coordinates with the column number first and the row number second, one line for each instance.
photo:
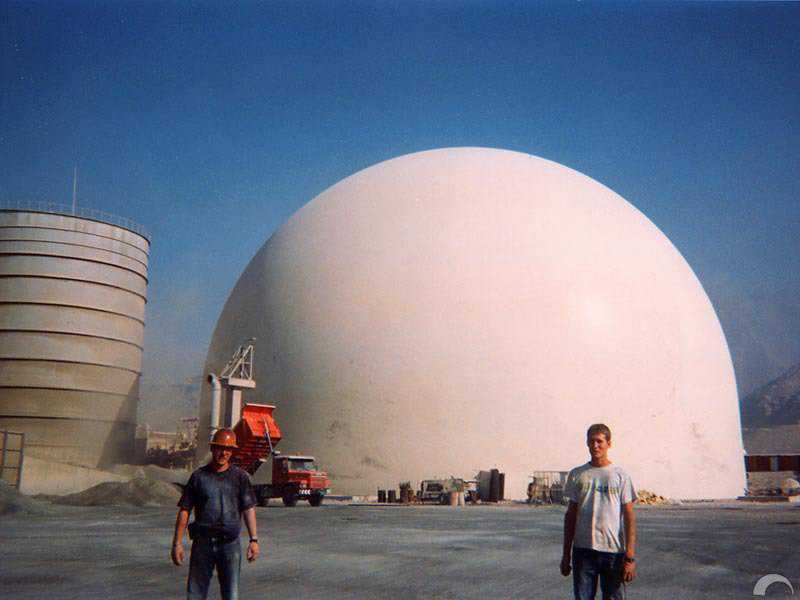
column 224, row 438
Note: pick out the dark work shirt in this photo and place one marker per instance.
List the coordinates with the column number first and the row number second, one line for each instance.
column 218, row 500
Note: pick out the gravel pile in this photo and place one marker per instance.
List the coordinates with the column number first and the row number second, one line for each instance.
column 153, row 472
column 136, row 492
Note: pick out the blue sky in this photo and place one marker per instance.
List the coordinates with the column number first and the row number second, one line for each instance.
column 211, row 123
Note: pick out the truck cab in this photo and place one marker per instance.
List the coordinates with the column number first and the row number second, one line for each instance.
column 298, row 478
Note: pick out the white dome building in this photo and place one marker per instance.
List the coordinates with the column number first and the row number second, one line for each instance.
column 467, row 308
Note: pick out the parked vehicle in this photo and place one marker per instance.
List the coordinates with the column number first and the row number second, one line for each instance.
column 293, row 477
column 438, row 490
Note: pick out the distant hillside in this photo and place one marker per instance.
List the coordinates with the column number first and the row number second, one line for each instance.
column 761, row 324
column 777, row 403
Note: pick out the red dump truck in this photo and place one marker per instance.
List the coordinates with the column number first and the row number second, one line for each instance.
column 293, row 477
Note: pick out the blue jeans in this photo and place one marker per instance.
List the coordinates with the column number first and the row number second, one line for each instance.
column 210, row 553
column 590, row 565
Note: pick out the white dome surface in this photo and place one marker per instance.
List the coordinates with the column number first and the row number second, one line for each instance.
column 460, row 309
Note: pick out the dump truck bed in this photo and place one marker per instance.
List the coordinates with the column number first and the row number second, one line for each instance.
column 257, row 434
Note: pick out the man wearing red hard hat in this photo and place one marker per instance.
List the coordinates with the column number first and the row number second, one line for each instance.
column 220, row 495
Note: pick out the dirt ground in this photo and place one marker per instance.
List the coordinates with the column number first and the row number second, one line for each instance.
column 340, row 551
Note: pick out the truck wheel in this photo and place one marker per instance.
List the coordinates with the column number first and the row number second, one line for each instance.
column 315, row 499
column 289, row 499
column 262, row 498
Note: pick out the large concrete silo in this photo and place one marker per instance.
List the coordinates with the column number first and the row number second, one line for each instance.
column 72, row 299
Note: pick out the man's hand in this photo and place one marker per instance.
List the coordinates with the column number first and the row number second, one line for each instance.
column 570, row 521
column 566, row 568
column 252, row 551
column 177, row 554
column 628, row 571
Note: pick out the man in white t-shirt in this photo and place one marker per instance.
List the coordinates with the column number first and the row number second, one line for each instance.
column 600, row 526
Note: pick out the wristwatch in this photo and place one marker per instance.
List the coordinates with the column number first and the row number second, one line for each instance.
column 629, row 559
column 253, row 540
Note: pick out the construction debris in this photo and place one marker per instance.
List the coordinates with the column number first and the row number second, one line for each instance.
column 646, row 497
column 790, row 487
column 547, row 487
column 171, row 450
column 136, row 492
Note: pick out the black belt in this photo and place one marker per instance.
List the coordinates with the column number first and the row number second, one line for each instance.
column 219, row 539
column 196, row 533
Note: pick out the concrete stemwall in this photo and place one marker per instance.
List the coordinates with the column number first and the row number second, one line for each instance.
column 42, row 476
column 72, row 300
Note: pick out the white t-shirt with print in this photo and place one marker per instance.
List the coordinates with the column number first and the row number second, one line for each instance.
column 599, row 493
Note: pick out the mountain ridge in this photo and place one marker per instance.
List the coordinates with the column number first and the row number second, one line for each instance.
column 774, row 404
